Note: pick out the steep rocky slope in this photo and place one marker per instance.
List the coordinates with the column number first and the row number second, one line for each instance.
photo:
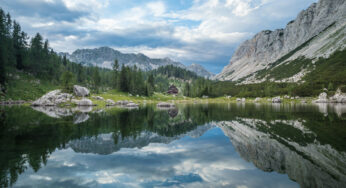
column 317, row 31
column 105, row 56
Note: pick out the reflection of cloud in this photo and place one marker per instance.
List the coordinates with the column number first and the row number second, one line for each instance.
column 207, row 161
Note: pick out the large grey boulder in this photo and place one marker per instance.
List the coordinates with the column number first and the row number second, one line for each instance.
column 52, row 98
column 80, row 91
column 83, row 102
column 322, row 98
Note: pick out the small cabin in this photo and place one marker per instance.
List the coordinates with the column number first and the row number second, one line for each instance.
column 173, row 90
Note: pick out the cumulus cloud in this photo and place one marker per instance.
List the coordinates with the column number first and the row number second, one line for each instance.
column 203, row 31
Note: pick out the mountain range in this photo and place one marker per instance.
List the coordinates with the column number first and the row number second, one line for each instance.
column 317, row 32
column 105, row 56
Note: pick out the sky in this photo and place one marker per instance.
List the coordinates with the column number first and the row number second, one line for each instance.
column 205, row 32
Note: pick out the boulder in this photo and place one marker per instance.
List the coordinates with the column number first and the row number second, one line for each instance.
column 322, row 98
column 338, row 97
column 243, row 100
column 238, row 99
column 165, row 104
column 83, row 102
column 276, row 100
column 80, row 91
column 124, row 102
column 110, row 102
column 52, row 98
column 303, row 101
column 257, row 99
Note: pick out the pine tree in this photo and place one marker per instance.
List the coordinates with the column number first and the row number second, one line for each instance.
column 96, row 79
column 115, row 74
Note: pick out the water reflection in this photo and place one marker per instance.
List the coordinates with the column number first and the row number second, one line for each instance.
column 231, row 145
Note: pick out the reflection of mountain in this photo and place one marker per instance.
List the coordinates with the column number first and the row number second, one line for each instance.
column 105, row 144
column 311, row 165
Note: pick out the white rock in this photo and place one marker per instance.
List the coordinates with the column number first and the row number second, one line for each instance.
column 322, row 98
column 257, row 99
column 83, row 102
column 80, row 91
column 276, row 100
column 110, row 102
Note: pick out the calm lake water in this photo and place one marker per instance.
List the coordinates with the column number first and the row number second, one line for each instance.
column 229, row 145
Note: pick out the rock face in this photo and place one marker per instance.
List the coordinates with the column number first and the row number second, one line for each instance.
column 80, row 91
column 52, row 98
column 105, row 56
column 325, row 19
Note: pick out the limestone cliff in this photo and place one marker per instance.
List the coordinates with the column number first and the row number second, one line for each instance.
column 317, row 31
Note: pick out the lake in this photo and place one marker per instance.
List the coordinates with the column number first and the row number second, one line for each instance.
column 200, row 145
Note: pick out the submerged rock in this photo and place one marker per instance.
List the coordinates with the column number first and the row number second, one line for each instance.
column 80, row 91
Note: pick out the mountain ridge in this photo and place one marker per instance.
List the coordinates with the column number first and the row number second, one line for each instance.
column 105, row 56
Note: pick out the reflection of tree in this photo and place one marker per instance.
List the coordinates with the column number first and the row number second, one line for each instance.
column 29, row 137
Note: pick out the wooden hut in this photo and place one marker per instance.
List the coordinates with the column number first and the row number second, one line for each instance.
column 173, row 90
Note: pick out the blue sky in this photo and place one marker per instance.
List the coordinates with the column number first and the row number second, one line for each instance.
column 206, row 32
